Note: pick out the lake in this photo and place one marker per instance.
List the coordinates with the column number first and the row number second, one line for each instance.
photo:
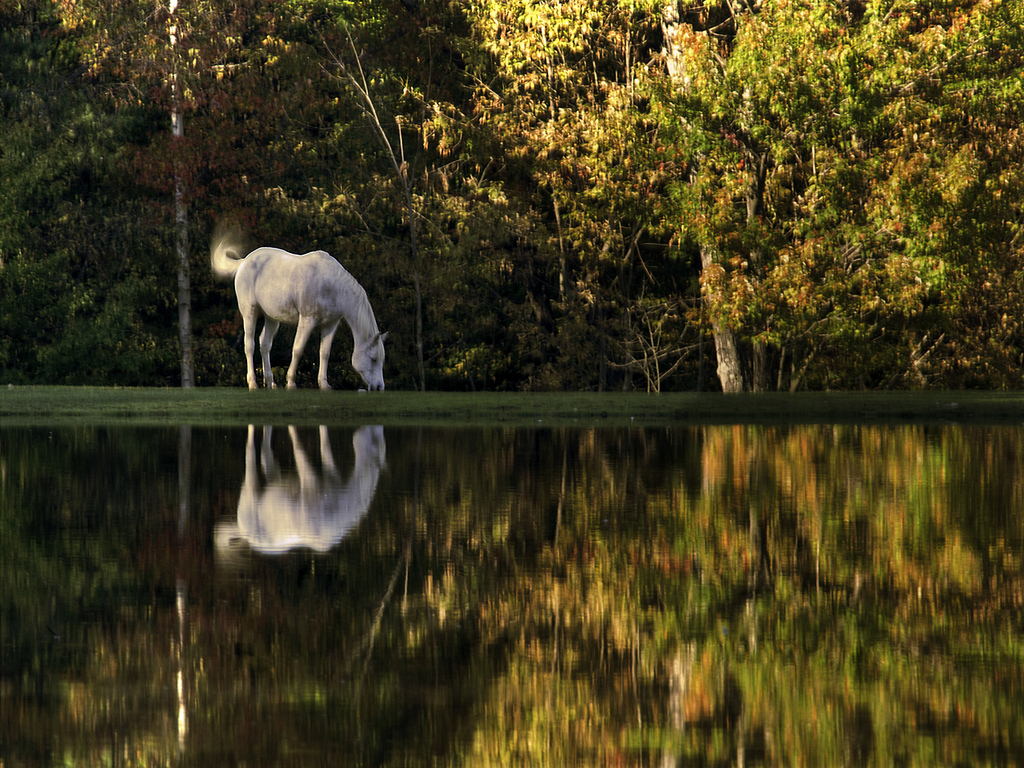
column 712, row 595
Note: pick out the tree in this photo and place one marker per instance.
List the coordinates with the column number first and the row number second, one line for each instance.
column 247, row 106
column 824, row 175
column 561, row 103
column 74, row 307
column 181, row 216
column 392, row 143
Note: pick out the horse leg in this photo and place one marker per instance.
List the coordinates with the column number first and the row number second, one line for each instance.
column 302, row 331
column 271, row 470
column 249, row 329
column 270, row 327
column 327, row 456
column 325, row 352
column 308, row 480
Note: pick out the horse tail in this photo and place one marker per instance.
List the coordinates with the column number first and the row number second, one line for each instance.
column 225, row 266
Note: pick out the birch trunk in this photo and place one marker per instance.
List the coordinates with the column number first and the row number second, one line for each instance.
column 181, row 219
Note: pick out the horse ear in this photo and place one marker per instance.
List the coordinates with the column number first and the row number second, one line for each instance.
column 382, row 336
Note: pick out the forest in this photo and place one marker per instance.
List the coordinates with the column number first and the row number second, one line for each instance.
column 603, row 195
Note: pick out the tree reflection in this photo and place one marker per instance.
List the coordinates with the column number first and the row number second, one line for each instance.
column 715, row 595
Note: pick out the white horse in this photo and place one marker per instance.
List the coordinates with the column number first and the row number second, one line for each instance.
column 313, row 510
column 308, row 291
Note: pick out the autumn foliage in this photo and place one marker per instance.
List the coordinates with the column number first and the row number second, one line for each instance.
column 582, row 195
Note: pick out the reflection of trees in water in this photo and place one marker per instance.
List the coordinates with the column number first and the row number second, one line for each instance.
column 688, row 596
column 771, row 597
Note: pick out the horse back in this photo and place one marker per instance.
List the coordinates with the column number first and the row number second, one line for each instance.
column 287, row 286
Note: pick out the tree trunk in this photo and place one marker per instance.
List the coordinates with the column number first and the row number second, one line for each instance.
column 184, row 286
column 730, row 370
column 414, row 251
column 181, row 219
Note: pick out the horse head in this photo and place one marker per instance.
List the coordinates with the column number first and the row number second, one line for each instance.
column 368, row 360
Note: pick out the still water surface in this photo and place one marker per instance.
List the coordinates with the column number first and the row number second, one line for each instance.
column 732, row 595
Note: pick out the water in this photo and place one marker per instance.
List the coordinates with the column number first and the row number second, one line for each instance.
column 683, row 596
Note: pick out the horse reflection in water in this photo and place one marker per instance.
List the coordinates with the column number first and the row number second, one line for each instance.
column 309, row 508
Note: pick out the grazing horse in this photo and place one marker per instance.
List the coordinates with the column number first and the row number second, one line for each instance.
column 308, row 291
column 307, row 508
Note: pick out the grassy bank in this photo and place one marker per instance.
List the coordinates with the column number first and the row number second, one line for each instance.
column 101, row 405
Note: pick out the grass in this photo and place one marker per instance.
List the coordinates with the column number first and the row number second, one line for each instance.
column 228, row 406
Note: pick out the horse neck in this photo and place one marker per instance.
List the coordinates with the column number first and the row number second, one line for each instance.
column 359, row 314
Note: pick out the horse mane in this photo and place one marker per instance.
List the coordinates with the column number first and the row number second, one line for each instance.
column 364, row 323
